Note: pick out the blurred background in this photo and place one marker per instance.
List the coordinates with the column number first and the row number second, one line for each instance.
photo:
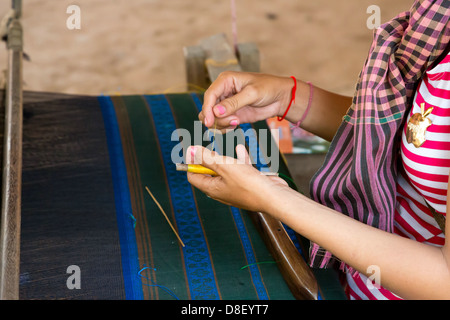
column 136, row 46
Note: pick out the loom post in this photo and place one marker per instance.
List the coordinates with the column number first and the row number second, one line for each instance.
column 12, row 162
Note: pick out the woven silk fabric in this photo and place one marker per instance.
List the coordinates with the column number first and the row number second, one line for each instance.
column 358, row 177
column 219, row 239
column 86, row 162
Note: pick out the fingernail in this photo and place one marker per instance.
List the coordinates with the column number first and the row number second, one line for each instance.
column 206, row 122
column 234, row 122
column 192, row 153
column 220, row 109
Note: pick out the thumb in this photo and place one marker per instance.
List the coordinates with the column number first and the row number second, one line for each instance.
column 242, row 154
column 231, row 105
column 206, row 157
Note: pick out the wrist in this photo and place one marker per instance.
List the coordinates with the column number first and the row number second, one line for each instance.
column 271, row 197
column 300, row 107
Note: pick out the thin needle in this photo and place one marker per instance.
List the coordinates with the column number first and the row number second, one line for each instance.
column 160, row 208
column 214, row 136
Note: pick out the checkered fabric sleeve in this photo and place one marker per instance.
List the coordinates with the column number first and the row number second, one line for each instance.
column 358, row 177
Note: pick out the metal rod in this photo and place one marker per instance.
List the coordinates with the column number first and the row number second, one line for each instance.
column 12, row 168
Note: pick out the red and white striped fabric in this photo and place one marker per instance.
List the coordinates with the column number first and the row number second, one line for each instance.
column 425, row 176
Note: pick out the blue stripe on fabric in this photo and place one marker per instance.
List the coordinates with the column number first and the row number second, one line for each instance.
column 127, row 237
column 293, row 236
column 253, row 148
column 249, row 254
column 199, row 270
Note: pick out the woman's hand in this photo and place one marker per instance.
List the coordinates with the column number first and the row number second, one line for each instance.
column 238, row 97
column 238, row 183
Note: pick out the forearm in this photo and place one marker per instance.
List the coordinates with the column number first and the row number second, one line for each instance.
column 325, row 114
column 408, row 268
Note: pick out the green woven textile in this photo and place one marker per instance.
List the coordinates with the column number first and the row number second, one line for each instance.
column 86, row 163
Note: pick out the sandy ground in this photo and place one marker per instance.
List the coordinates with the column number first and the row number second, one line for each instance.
column 135, row 46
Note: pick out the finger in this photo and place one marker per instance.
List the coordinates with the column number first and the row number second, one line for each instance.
column 202, row 182
column 201, row 117
column 207, row 184
column 242, row 154
column 190, row 154
column 226, row 123
column 231, row 105
column 205, row 157
column 223, row 86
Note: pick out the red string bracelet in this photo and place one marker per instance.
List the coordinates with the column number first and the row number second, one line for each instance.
column 294, row 89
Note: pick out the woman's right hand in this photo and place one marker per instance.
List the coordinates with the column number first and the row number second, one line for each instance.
column 239, row 97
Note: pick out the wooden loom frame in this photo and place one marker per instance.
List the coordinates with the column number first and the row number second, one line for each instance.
column 12, row 160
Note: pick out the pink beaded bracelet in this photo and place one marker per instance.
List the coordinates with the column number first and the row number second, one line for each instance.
column 311, row 91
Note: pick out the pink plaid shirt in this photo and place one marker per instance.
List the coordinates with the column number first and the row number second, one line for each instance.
column 359, row 175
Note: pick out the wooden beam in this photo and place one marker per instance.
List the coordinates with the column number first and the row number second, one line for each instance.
column 248, row 56
column 196, row 74
column 297, row 274
column 219, row 56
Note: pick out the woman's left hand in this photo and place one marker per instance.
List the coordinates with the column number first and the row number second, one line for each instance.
column 238, row 183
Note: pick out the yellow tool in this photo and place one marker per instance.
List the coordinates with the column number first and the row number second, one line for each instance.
column 197, row 168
